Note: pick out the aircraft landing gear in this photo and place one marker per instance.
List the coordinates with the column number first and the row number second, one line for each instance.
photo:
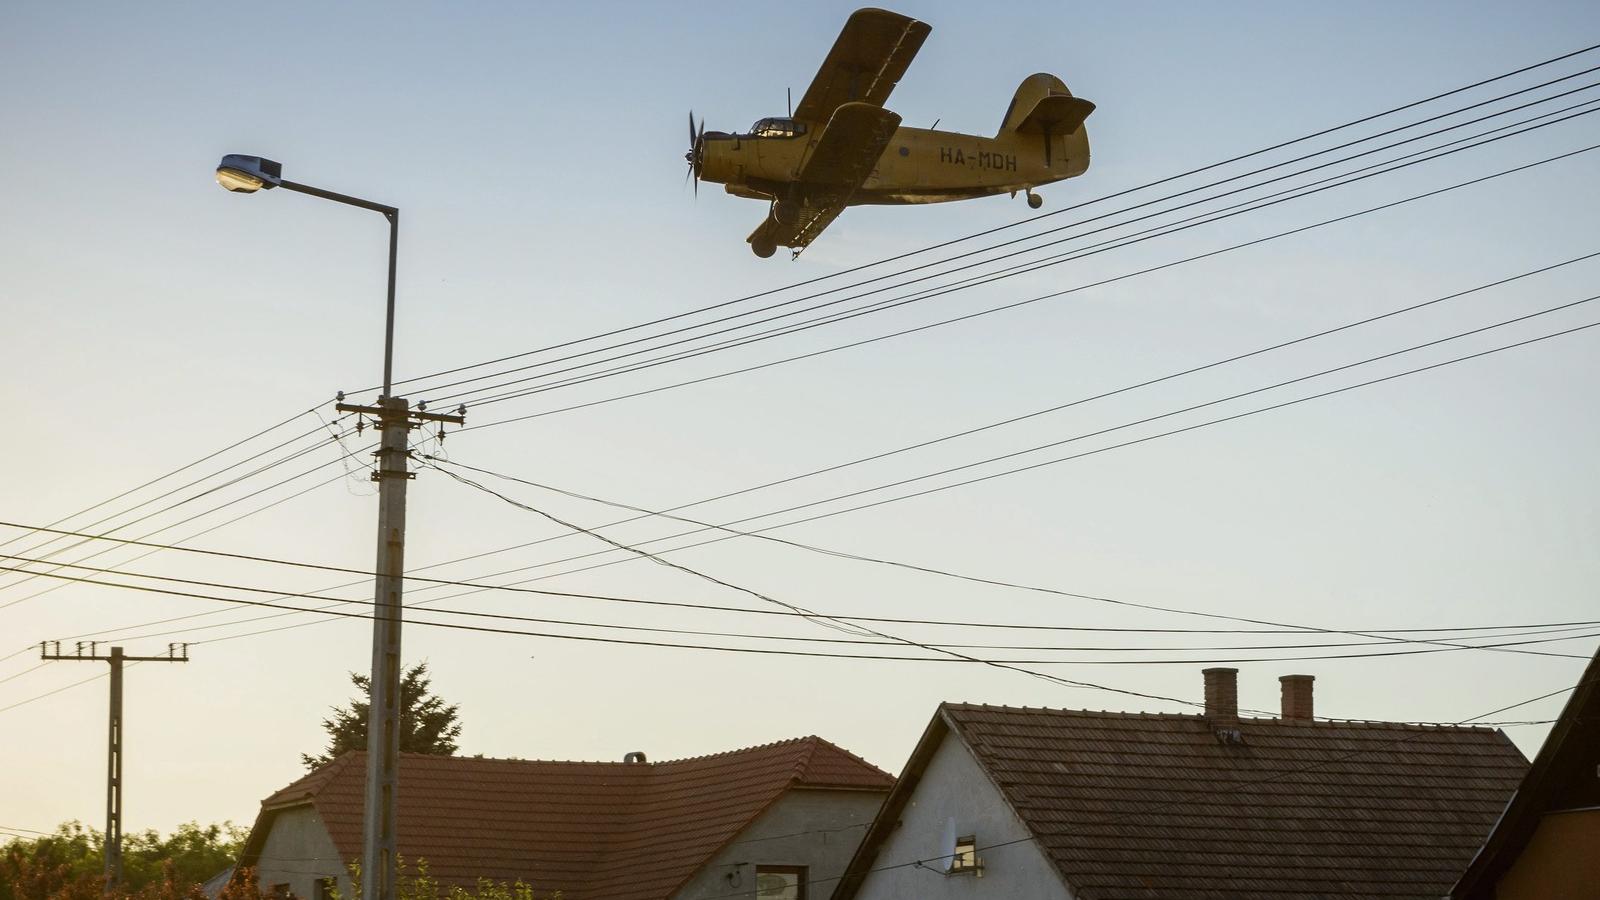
column 763, row 249
column 1034, row 200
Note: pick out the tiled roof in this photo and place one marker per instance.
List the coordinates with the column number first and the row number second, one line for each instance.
column 593, row 830
column 1141, row 806
column 1562, row 777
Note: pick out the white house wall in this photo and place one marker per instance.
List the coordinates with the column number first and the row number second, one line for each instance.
column 954, row 787
column 298, row 852
column 819, row 829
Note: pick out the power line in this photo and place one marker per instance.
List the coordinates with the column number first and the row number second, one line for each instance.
column 185, row 521
column 1090, row 453
column 1037, row 465
column 897, row 483
column 208, row 457
column 438, row 582
column 941, row 245
column 1014, row 419
column 1025, row 302
column 1103, row 431
column 882, row 305
column 1090, row 398
column 946, row 647
column 948, row 656
column 1565, row 632
column 159, row 547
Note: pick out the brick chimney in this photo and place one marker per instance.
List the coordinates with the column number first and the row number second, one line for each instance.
column 1222, row 696
column 1296, row 697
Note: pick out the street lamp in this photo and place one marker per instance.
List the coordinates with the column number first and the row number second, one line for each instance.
column 246, row 175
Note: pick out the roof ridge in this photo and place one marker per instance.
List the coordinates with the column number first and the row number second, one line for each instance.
column 1324, row 722
column 736, row 750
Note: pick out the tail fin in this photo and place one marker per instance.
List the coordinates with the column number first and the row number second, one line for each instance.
column 1043, row 106
column 1033, row 89
column 1043, row 103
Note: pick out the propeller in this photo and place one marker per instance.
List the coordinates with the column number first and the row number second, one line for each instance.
column 696, row 151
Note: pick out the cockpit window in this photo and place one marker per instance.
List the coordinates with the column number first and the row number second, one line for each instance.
column 777, row 128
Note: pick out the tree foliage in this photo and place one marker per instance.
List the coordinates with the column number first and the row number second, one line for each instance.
column 70, row 864
column 427, row 724
column 419, row 885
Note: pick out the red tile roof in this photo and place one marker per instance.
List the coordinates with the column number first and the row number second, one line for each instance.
column 592, row 830
column 1142, row 806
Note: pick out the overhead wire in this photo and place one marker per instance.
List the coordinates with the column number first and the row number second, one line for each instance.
column 1521, row 637
column 790, row 509
column 874, row 457
column 291, row 457
column 1253, row 154
column 1082, row 455
column 183, row 468
column 158, row 548
column 1036, row 299
column 986, row 232
column 1102, row 431
column 1033, row 466
column 267, row 467
column 1010, row 420
column 946, row 655
column 885, row 305
column 1482, row 138
column 1436, row 642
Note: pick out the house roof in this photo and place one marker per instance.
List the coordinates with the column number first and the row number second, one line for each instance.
column 1133, row 806
column 619, row 831
column 1561, row 777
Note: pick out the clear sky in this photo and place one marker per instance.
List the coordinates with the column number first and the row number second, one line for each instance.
column 536, row 152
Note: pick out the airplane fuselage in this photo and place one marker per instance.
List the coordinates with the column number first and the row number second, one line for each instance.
column 919, row 165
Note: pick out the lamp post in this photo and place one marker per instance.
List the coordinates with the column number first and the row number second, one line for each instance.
column 246, row 175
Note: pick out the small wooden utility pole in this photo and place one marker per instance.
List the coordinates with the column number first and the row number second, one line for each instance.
column 113, row 837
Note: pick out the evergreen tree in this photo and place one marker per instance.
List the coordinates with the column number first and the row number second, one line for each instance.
column 427, row 725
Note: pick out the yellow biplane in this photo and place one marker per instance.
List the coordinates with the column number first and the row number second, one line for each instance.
column 841, row 148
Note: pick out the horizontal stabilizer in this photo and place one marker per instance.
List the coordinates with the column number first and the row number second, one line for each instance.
column 1055, row 114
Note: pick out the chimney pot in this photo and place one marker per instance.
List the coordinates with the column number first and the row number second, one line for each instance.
column 1222, row 696
column 1297, row 697
column 634, row 758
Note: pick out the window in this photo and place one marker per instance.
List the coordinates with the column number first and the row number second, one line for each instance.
column 777, row 128
column 965, row 859
column 781, row 882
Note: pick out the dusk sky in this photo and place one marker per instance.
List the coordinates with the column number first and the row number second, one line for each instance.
column 536, row 154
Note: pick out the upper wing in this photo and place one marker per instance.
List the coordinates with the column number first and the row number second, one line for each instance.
column 849, row 147
column 842, row 159
column 871, row 54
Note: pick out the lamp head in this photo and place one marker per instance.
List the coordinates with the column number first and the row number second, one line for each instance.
column 248, row 174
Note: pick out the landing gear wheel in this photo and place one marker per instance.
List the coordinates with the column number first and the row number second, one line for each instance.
column 1034, row 200
column 785, row 212
column 763, row 249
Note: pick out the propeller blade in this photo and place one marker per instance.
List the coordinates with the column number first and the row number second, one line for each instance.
column 691, row 129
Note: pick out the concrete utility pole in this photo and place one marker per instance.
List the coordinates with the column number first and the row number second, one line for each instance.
column 246, row 175
column 379, row 846
column 175, row 653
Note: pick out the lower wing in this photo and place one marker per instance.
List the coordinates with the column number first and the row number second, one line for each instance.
column 836, row 167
